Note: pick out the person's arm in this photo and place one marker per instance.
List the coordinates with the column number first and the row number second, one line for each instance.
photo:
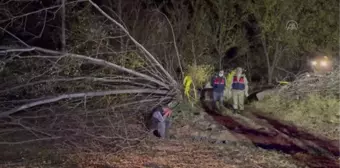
column 212, row 81
column 231, row 79
column 159, row 116
column 231, row 83
column 168, row 112
column 225, row 83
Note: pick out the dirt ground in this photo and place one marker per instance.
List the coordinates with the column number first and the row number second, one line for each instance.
column 184, row 152
column 188, row 154
column 155, row 153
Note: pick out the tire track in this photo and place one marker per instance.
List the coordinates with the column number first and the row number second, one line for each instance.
column 316, row 152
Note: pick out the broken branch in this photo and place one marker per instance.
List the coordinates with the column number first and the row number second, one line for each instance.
column 78, row 95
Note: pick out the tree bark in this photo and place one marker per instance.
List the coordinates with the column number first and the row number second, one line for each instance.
column 63, row 35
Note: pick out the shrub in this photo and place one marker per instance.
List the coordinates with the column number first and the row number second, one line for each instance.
column 184, row 112
column 195, row 78
column 200, row 74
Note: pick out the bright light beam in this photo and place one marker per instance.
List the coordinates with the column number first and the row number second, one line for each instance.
column 323, row 63
column 314, row 63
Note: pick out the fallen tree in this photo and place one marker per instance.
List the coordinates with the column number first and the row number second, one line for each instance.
column 311, row 101
column 87, row 102
column 323, row 84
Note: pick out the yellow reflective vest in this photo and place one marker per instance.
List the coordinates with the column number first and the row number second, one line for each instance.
column 230, row 78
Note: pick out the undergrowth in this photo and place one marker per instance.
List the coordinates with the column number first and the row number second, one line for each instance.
column 316, row 113
column 185, row 111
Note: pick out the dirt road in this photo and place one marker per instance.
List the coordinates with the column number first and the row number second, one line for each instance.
column 271, row 134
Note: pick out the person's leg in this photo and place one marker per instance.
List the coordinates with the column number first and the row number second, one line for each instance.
column 228, row 94
column 235, row 100
column 241, row 100
column 167, row 127
column 161, row 129
column 153, row 124
column 167, row 123
column 215, row 99
column 222, row 97
column 154, row 127
column 222, row 100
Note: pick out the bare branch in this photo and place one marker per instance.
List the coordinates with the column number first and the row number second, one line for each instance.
column 22, row 42
column 78, row 95
column 40, row 10
column 175, row 45
column 30, row 141
column 63, row 37
column 93, row 97
column 93, row 60
column 130, row 104
column 135, row 41
column 74, row 79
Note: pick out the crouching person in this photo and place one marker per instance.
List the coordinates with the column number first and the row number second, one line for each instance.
column 160, row 121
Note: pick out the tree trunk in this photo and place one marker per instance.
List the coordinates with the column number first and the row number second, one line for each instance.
column 63, row 35
column 270, row 76
column 248, row 65
column 220, row 66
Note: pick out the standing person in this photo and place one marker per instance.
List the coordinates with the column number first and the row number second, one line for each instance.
column 228, row 84
column 239, row 89
column 218, row 84
column 160, row 121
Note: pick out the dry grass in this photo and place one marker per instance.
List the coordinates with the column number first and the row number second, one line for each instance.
column 316, row 113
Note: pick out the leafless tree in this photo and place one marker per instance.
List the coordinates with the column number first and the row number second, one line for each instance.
column 82, row 96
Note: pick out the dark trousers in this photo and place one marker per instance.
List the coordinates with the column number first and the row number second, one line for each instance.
column 160, row 129
column 218, row 97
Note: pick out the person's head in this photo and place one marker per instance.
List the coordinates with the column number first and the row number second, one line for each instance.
column 239, row 70
column 220, row 73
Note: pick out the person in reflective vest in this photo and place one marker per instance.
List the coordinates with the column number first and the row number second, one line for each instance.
column 230, row 76
column 160, row 121
column 218, row 84
column 239, row 90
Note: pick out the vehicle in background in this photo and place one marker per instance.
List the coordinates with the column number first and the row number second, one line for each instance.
column 321, row 65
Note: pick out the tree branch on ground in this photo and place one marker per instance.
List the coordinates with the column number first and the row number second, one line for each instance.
column 77, row 95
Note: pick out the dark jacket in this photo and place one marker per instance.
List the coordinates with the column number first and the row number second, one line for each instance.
column 218, row 83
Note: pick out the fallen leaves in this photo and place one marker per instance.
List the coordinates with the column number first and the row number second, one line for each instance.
column 186, row 154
